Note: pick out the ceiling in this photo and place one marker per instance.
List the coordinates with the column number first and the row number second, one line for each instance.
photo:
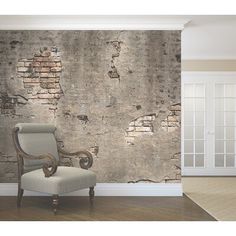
column 209, row 37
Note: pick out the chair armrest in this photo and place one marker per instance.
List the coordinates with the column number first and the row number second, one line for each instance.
column 49, row 167
column 86, row 158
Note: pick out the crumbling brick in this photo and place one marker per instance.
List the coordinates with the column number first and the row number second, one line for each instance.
column 113, row 72
column 41, row 75
column 140, row 126
column 9, row 103
column 173, row 120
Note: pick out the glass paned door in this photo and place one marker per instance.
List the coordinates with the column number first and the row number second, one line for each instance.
column 225, row 115
column 208, row 124
column 194, row 125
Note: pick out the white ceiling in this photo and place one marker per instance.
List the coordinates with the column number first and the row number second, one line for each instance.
column 204, row 37
column 209, row 37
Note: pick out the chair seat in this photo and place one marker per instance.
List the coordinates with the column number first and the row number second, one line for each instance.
column 65, row 180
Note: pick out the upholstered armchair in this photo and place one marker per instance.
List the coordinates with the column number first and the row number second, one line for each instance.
column 39, row 167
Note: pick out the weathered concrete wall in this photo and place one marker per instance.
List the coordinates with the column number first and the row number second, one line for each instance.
column 115, row 91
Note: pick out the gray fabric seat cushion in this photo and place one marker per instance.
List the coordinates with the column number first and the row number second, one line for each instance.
column 65, row 180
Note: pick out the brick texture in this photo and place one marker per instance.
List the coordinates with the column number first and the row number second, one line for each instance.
column 41, row 75
column 115, row 93
column 138, row 127
column 173, row 120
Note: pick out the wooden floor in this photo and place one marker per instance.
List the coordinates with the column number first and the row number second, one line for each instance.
column 217, row 195
column 104, row 209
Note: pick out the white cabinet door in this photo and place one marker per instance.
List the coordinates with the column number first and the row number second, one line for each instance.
column 208, row 123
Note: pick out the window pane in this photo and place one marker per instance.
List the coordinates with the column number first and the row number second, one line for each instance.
column 229, row 104
column 219, row 104
column 188, row 132
column 219, row 146
column 199, row 132
column 188, row 146
column 230, row 160
column 189, row 104
column 229, row 132
column 229, row 118
column 199, row 160
column 200, row 104
column 199, row 90
column 188, row 160
column 189, row 90
column 219, row 90
column 199, row 118
column 188, row 118
column 229, row 146
column 219, row 160
column 219, row 118
column 230, row 90
column 199, row 146
column 219, row 131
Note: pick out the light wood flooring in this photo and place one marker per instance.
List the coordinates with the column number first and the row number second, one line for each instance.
column 217, row 195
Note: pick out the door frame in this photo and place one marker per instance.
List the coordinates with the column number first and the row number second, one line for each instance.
column 201, row 76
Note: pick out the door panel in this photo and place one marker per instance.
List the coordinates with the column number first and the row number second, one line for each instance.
column 194, row 123
column 225, row 124
column 209, row 123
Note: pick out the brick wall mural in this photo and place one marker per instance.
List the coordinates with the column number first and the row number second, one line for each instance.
column 116, row 93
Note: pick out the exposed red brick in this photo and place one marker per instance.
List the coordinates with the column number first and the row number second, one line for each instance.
column 139, row 126
column 49, row 80
column 49, row 75
column 42, row 69
column 41, row 76
column 44, row 96
column 36, row 64
column 48, row 64
column 28, row 64
column 31, row 80
column 55, row 69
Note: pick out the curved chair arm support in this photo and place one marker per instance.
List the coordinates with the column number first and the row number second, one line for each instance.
column 49, row 168
column 86, row 161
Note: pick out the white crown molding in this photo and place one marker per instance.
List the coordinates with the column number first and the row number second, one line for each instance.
column 206, row 74
column 54, row 22
column 110, row 189
column 209, row 57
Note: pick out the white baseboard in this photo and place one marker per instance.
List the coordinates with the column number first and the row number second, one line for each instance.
column 109, row 189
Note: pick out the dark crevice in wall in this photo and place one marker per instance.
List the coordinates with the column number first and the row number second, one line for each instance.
column 83, row 118
column 9, row 103
column 176, row 156
column 143, row 180
column 94, row 150
column 113, row 72
column 14, row 43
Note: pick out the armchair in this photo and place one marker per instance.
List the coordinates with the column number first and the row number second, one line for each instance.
column 39, row 169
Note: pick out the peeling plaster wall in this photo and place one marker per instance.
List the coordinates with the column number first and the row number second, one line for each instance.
column 116, row 93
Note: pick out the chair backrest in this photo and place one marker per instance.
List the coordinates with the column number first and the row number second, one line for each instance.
column 37, row 139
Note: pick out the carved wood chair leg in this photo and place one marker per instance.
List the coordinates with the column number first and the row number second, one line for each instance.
column 55, row 202
column 19, row 196
column 91, row 194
